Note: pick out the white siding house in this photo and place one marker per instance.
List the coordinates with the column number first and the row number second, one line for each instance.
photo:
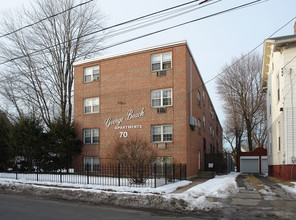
column 279, row 83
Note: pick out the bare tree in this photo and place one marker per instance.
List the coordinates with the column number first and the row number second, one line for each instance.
column 233, row 134
column 239, row 87
column 39, row 75
column 135, row 154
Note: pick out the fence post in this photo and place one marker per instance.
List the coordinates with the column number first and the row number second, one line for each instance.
column 154, row 169
column 180, row 171
column 87, row 173
column 165, row 173
column 16, row 172
column 61, row 178
column 37, row 172
column 119, row 174
column 174, row 177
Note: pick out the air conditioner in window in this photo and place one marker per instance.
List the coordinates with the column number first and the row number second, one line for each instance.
column 96, row 77
column 192, row 122
column 161, row 73
column 161, row 110
column 161, row 145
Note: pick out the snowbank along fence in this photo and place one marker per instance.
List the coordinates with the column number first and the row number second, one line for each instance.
column 106, row 174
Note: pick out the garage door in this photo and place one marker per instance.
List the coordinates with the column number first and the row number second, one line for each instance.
column 264, row 166
column 249, row 164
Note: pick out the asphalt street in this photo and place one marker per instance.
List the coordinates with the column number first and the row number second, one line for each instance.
column 271, row 202
column 22, row 207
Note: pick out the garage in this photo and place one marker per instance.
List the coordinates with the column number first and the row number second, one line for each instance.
column 264, row 166
column 253, row 162
column 249, row 164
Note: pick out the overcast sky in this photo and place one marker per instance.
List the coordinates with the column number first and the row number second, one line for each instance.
column 213, row 41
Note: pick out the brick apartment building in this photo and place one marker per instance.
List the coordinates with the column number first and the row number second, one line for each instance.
column 156, row 93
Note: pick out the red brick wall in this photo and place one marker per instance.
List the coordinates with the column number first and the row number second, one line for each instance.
column 285, row 172
column 129, row 79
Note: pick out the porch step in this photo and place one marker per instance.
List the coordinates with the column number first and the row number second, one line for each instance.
column 206, row 174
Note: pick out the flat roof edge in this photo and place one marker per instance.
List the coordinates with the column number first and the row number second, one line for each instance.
column 77, row 63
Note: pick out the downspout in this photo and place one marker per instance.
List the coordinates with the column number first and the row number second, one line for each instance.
column 292, row 104
column 190, row 104
column 190, row 86
column 293, row 141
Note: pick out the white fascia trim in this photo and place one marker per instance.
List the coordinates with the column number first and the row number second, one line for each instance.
column 249, row 157
column 129, row 52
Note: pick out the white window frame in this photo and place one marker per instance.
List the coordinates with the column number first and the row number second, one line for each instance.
column 278, row 88
column 198, row 98
column 204, row 120
column 161, row 98
column 161, row 133
column 161, row 55
column 92, row 135
column 203, row 97
column 93, row 161
column 92, row 105
column 91, row 71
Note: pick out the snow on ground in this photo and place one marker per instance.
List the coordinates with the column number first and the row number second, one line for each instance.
column 159, row 190
column 162, row 197
column 219, row 187
column 291, row 190
column 267, row 193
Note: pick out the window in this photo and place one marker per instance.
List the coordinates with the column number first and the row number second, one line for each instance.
column 279, row 136
column 211, row 112
column 278, row 87
column 161, row 162
column 211, row 147
column 161, row 98
column 91, row 136
column 198, row 98
column 198, row 125
column 203, row 97
column 91, row 163
column 204, row 145
column 161, row 61
column 162, row 133
column 91, row 105
column 204, row 120
column 91, row 73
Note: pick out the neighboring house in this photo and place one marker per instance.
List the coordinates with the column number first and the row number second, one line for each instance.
column 279, row 84
column 156, row 93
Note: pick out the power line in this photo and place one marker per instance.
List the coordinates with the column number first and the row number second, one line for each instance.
column 145, row 35
column 179, row 25
column 105, row 29
column 159, row 31
column 152, row 21
column 37, row 22
column 245, row 55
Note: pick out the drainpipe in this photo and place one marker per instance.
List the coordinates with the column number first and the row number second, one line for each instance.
column 191, row 86
column 293, row 140
column 292, row 104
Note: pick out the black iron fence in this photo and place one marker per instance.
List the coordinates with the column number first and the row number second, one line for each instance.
column 215, row 163
column 106, row 174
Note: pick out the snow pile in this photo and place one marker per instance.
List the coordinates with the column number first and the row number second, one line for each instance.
column 156, row 198
column 291, row 190
column 159, row 190
column 219, row 187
